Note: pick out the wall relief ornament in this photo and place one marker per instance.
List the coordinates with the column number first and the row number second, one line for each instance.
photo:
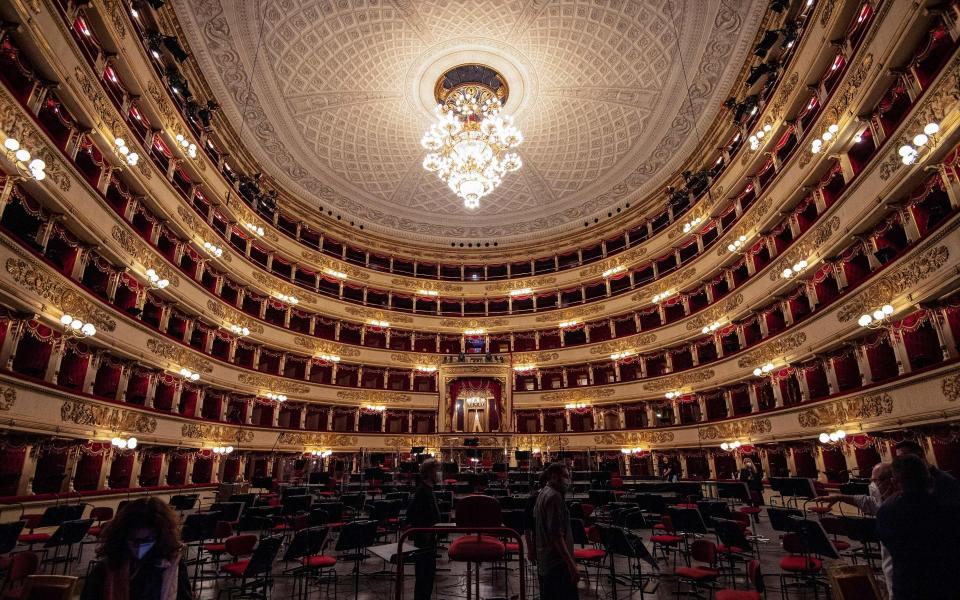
column 951, row 387
column 144, row 255
column 273, row 384
column 806, row 248
column 37, row 279
column 895, row 284
column 427, row 285
column 406, row 358
column 8, row 397
column 506, row 286
column 624, row 344
column 579, row 395
column 679, row 380
column 783, row 94
column 625, row 259
column 634, row 439
column 179, row 356
column 231, row 316
column 674, row 282
column 571, row 314
column 373, row 397
column 368, row 314
column 846, row 410
column 534, row 358
column 731, row 430
column 325, row 440
column 539, row 441
column 405, row 442
column 16, row 124
column 721, row 312
column 106, row 417
column 273, row 284
column 325, row 262
column 749, row 221
column 473, row 323
column 245, row 215
column 317, row 346
column 216, row 433
column 160, row 101
column 771, row 350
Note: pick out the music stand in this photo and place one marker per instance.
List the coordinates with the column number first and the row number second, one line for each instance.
column 617, row 540
column 10, row 535
column 733, row 490
column 815, row 541
column 196, row 529
column 67, row 534
column 183, row 502
column 354, row 540
column 784, row 519
column 687, row 520
column 863, row 530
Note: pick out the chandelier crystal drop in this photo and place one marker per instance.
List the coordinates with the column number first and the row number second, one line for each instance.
column 471, row 144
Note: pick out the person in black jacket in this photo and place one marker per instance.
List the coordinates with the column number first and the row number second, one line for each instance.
column 425, row 512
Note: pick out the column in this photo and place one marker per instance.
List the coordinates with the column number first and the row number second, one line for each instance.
column 27, row 472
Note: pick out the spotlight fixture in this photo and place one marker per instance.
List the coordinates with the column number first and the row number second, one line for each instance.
column 795, row 270
column 833, row 437
column 124, row 443
column 21, row 157
column 131, row 158
column 911, row 151
column 189, row 148
column 763, row 370
column 213, row 249
column 77, row 327
column 189, row 375
column 223, row 449
column 877, row 319
column 275, row 397
column 156, row 282
column 239, row 330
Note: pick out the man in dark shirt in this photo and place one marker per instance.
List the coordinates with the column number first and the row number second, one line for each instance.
column 554, row 538
column 425, row 512
column 921, row 530
column 944, row 484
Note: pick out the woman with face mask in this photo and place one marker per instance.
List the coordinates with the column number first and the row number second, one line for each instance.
column 139, row 552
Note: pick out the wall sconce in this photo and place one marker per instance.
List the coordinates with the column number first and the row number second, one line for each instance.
column 320, row 453
column 622, row 355
column 379, row 323
column 576, row 406
column 877, row 319
column 910, row 152
column 662, row 296
column 328, row 358
column 21, row 157
column 275, row 397
column 431, row 293
column 77, row 327
column 156, row 282
column 189, row 148
column 691, row 224
column 426, row 369
column 628, row 451
column 238, row 330
column 836, row 436
column 568, row 324
column 131, row 158
column 817, row 145
column 334, row 273
column 189, row 375
column 730, row 446
column 759, row 135
column 223, row 449
column 475, row 331
column 213, row 249
column 521, row 292
column 375, row 407
column 287, row 299
column 736, row 244
column 254, row 228
column 763, row 370
column 711, row 327
column 124, row 443
column 795, row 270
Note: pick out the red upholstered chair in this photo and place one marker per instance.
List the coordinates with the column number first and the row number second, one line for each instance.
column 477, row 511
column 699, row 577
column 798, row 565
column 22, row 565
column 835, row 527
column 667, row 541
column 100, row 514
column 587, row 554
column 238, row 547
column 816, row 507
column 216, row 548
column 755, row 577
column 254, row 572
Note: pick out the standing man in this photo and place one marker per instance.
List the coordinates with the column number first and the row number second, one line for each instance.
column 554, row 538
column 943, row 482
column 425, row 512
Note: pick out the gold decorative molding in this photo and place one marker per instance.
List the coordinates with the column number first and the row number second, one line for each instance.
column 506, row 286
column 540, row 441
column 430, row 285
column 8, row 397
column 771, row 350
column 373, row 397
column 203, row 231
column 623, row 259
column 141, row 252
column 624, row 344
column 783, row 94
column 407, row 358
column 180, row 356
column 35, row 278
column 160, row 101
column 671, row 282
column 273, row 384
column 273, row 284
column 216, row 433
column 325, row 440
column 731, row 430
column 16, row 124
column 577, row 395
column 368, row 314
column 951, row 387
column 473, row 323
column 679, row 380
column 570, row 314
column 806, row 248
column 846, row 410
column 747, row 222
column 410, row 441
column 634, row 439
column 106, row 417
column 895, row 284
column 233, row 317
column 534, row 358
column 245, row 215
column 715, row 313
column 317, row 346
column 325, row 262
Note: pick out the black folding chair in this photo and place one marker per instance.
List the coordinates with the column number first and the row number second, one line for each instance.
column 352, row 544
column 255, row 573
column 306, row 548
column 67, row 534
column 10, row 535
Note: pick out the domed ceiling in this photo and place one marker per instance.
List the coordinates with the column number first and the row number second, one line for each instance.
column 332, row 97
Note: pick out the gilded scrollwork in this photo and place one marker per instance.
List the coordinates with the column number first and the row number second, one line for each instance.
column 37, row 279
column 107, row 417
column 273, row 384
column 578, row 395
column 680, row 380
column 571, row 314
column 715, row 313
column 534, row 283
column 368, row 314
column 806, row 248
column 623, row 259
column 846, row 410
column 951, row 387
column 318, row 346
column 142, row 253
column 8, row 397
column 631, row 343
column 373, row 397
column 322, row 440
column 534, row 358
column 731, row 430
column 771, row 350
column 441, row 287
column 273, row 284
column 216, row 433
column 473, row 323
column 179, row 356
column 325, row 262
column 633, row 439
column 405, row 442
column 234, row 317
column 671, row 282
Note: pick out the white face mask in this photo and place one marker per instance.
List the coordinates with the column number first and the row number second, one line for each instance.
column 438, row 477
column 143, row 549
column 874, row 492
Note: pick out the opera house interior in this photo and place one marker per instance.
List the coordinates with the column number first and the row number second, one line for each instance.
column 493, row 298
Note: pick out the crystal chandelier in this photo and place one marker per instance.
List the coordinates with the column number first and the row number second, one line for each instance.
column 471, row 143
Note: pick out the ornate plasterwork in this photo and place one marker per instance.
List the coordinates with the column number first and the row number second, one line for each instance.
column 405, row 442
column 325, row 262
column 750, row 220
column 771, row 350
column 624, row 259
column 673, row 282
column 895, row 284
column 245, row 215
column 318, row 346
column 846, row 410
column 373, row 397
column 806, row 248
column 8, row 397
column 519, row 284
column 216, row 433
column 181, row 357
column 140, row 251
column 715, row 313
column 35, row 278
column 233, row 317
column 106, row 417
column 273, row 384
column 731, row 430
column 473, row 323
column 415, row 285
column 680, row 380
column 571, row 314
column 407, row 358
column 274, row 285
column 337, row 115
column 951, row 387
column 534, row 358
column 624, row 344
column 368, row 314
column 16, row 124
column 321, row 440
column 634, row 439
column 579, row 395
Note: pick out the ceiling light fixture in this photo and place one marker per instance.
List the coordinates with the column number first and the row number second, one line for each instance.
column 471, row 143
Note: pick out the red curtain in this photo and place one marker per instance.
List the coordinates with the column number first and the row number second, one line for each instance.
column 51, row 469
column 73, row 366
column 202, row 470
column 11, row 464
column 835, row 465
column 87, row 474
column 177, row 472
column 150, row 470
column 805, row 463
column 231, row 468
column 120, row 470
column 495, row 405
column 866, row 459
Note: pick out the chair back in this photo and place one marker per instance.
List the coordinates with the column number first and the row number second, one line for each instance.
column 318, row 516
column 515, row 520
column 579, row 533
column 22, row 565
column 704, row 551
column 69, row 532
column 10, row 534
column 478, row 510
column 101, row 513
column 334, row 511
column 222, row 530
column 755, row 576
column 793, row 543
column 263, row 556
column 356, row 535
column 306, row 542
column 240, row 545
column 48, row 587
column 200, row 526
column 731, row 534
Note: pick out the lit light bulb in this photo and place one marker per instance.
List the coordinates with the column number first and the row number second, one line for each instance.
column 931, row 128
column 824, row 438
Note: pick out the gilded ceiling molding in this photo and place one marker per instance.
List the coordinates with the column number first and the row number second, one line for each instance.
column 14, row 123
column 772, row 349
column 951, row 387
column 679, row 380
column 806, row 248
column 731, row 430
column 373, row 397
column 81, row 412
column 623, row 259
column 273, row 384
column 331, row 440
column 140, row 251
column 8, row 397
column 720, row 312
column 216, row 433
column 634, row 439
column 672, row 281
column 234, row 317
column 273, row 284
column 506, row 286
column 35, row 278
column 569, row 314
column 579, row 395
column 473, row 323
column 316, row 346
column 624, row 344
column 414, row 285
column 846, row 410
column 368, row 314
column 895, row 284
column 179, row 356
column 325, row 262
